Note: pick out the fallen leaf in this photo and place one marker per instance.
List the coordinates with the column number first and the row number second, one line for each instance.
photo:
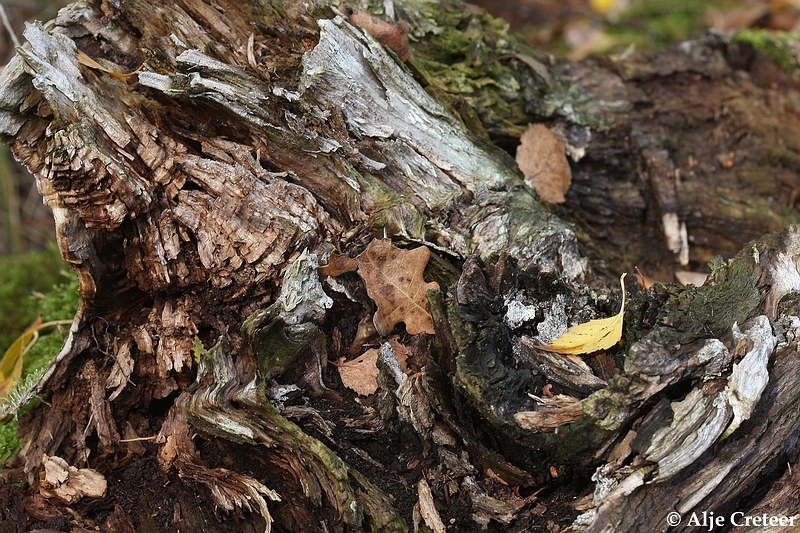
column 12, row 361
column 591, row 336
column 338, row 264
column 394, row 280
column 395, row 37
column 393, row 277
column 11, row 364
column 543, row 160
column 360, row 374
column 85, row 60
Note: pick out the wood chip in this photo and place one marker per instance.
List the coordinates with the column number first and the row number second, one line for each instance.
column 551, row 413
column 427, row 508
column 67, row 483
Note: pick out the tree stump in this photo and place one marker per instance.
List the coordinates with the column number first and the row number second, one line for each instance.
column 203, row 159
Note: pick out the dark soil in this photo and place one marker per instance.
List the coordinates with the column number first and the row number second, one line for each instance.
column 395, row 459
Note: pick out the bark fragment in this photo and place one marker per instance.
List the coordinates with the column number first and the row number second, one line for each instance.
column 70, row 484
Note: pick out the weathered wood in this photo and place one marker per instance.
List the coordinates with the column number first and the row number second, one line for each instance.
column 196, row 196
column 181, row 199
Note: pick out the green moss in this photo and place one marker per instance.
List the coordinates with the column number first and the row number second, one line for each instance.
column 663, row 22
column 781, row 46
column 60, row 302
column 710, row 311
column 467, row 53
column 23, row 279
column 276, row 346
column 8, row 440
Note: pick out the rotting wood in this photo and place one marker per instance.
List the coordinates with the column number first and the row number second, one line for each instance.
column 195, row 198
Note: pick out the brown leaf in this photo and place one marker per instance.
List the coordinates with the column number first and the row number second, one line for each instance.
column 401, row 353
column 361, row 374
column 395, row 37
column 338, row 264
column 393, row 277
column 87, row 61
column 543, row 161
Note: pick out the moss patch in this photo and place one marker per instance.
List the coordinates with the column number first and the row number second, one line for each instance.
column 60, row 302
column 23, row 280
column 781, row 46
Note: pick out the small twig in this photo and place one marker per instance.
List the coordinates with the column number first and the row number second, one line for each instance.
column 138, row 439
column 7, row 26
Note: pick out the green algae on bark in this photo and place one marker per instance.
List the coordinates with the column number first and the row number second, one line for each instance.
column 781, row 46
column 681, row 342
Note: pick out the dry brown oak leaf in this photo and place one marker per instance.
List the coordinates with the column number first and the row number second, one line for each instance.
column 394, row 280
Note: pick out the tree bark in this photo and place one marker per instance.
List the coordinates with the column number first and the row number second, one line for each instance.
column 200, row 163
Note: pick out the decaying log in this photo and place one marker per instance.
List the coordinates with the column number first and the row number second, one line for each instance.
column 203, row 163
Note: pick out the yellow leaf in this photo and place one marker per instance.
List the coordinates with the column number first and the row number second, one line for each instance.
column 602, row 6
column 11, row 364
column 591, row 336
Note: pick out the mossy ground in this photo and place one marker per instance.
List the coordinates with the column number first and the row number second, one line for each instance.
column 34, row 284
